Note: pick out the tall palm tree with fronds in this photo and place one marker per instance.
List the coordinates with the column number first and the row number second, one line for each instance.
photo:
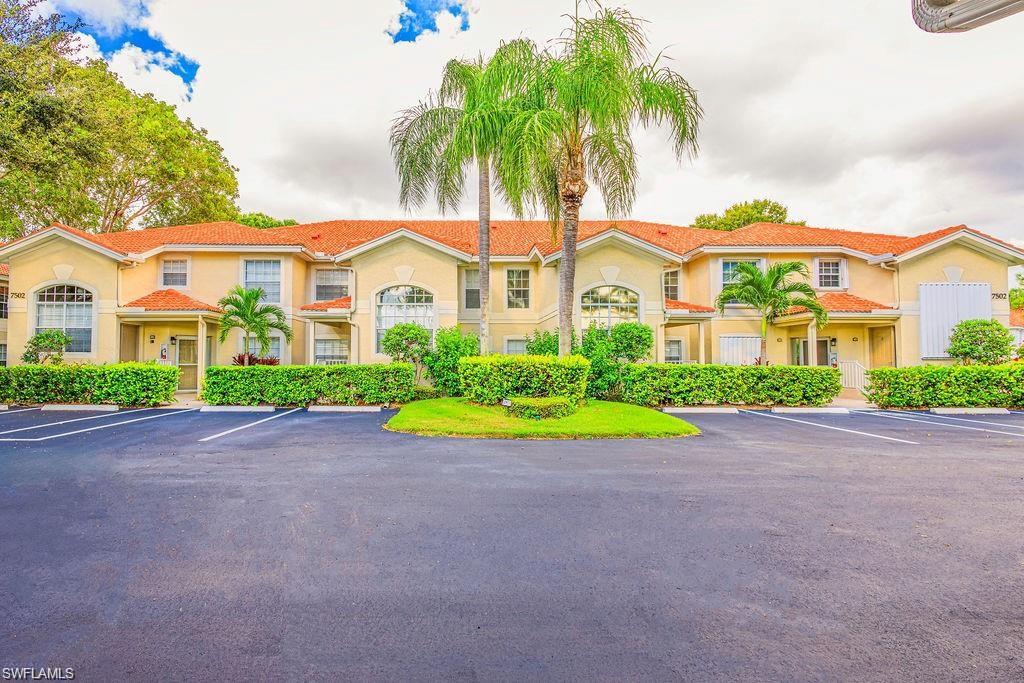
column 435, row 142
column 585, row 96
column 244, row 309
column 772, row 293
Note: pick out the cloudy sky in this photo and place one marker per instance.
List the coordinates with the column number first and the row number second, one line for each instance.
column 844, row 111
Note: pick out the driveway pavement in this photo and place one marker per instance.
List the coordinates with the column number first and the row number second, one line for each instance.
column 315, row 546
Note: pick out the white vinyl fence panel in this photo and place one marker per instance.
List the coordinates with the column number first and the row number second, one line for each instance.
column 736, row 350
column 943, row 305
column 1018, row 334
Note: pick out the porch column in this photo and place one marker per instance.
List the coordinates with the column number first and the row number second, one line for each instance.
column 200, row 352
column 659, row 342
column 701, row 351
column 310, row 342
column 353, row 342
column 812, row 344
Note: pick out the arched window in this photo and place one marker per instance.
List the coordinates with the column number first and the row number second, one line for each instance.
column 608, row 305
column 404, row 304
column 68, row 308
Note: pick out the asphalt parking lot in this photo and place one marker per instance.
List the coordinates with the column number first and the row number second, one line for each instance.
column 178, row 544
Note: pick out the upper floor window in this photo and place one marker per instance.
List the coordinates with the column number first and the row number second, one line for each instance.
column 265, row 274
column 829, row 273
column 609, row 305
column 670, row 281
column 67, row 308
column 518, row 287
column 472, row 289
column 331, row 283
column 4, row 294
column 403, row 304
column 175, row 273
column 730, row 272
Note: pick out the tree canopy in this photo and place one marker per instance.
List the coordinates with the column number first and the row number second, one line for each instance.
column 257, row 219
column 745, row 213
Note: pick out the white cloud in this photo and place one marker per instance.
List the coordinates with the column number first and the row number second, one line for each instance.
column 869, row 123
column 88, row 48
column 106, row 16
column 149, row 72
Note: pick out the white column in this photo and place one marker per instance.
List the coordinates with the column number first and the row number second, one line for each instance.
column 353, row 343
column 200, row 352
column 812, row 343
column 701, row 351
column 310, row 342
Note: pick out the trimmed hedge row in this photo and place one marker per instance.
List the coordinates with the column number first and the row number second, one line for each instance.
column 658, row 384
column 490, row 379
column 541, row 408
column 123, row 384
column 300, row 385
column 930, row 386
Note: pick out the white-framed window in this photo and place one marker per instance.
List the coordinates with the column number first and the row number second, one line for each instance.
column 609, row 305
column 471, row 291
column 729, row 272
column 3, row 355
column 331, row 352
column 673, row 350
column 331, row 284
column 517, row 290
column 670, row 284
column 515, row 347
column 273, row 351
column 68, row 308
column 829, row 273
column 265, row 274
column 174, row 273
column 4, row 297
column 403, row 304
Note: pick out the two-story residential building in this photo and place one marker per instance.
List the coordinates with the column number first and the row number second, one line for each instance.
column 152, row 294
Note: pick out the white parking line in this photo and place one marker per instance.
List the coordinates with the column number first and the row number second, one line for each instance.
column 943, row 424
column 77, row 419
column 246, row 426
column 18, row 410
column 969, row 421
column 838, row 429
column 93, row 429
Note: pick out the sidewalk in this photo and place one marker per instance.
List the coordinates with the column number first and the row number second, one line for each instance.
column 186, row 399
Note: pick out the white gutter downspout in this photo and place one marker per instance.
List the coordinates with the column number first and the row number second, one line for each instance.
column 954, row 16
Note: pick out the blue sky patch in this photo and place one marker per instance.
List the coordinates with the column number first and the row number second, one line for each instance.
column 421, row 15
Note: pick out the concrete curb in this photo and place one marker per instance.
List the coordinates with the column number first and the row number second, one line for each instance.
column 828, row 410
column 344, row 409
column 4, row 406
column 695, row 410
column 237, row 409
column 81, row 407
column 969, row 411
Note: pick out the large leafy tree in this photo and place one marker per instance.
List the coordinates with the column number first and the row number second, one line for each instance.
column 437, row 141
column 258, row 219
column 745, row 213
column 244, row 309
column 586, row 94
column 772, row 293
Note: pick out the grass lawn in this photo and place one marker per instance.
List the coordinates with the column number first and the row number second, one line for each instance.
column 595, row 420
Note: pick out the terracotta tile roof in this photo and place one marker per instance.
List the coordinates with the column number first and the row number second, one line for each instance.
column 343, row 302
column 841, row 302
column 1017, row 317
column 5, row 269
column 673, row 304
column 220, row 233
column 170, row 300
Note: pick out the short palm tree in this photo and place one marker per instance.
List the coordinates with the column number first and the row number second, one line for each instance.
column 244, row 308
column 772, row 294
column 584, row 97
column 435, row 142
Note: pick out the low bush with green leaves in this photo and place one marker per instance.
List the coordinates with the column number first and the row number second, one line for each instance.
column 300, row 385
column 937, row 386
column 986, row 342
column 659, row 384
column 46, row 347
column 541, row 408
column 442, row 362
column 491, row 379
column 545, row 343
column 123, row 384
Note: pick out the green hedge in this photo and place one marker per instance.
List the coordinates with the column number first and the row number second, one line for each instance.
column 541, row 408
column 490, row 379
column 123, row 384
column 657, row 384
column 929, row 386
column 300, row 385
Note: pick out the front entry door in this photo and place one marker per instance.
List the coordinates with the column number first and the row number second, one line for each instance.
column 188, row 361
column 801, row 355
column 883, row 347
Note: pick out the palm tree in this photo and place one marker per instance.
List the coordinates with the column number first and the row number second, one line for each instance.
column 243, row 308
column 772, row 294
column 435, row 142
column 584, row 98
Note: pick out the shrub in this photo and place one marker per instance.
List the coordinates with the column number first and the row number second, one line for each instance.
column 490, row 379
column 253, row 359
column 632, row 342
column 450, row 344
column 44, row 346
column 609, row 350
column 124, row 384
column 422, row 392
column 546, row 343
column 657, row 384
column 981, row 341
column 929, row 386
column 406, row 342
column 542, row 408
column 289, row 385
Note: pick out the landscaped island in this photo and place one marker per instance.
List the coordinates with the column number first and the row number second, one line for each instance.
column 593, row 420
